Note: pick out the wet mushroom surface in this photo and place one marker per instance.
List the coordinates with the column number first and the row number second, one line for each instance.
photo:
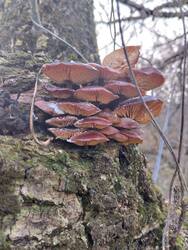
column 90, row 104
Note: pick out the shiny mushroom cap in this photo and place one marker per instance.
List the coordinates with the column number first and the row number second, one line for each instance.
column 108, row 73
column 78, row 108
column 109, row 130
column 62, row 121
column 78, row 73
column 88, row 138
column 95, row 94
column 135, row 136
column 127, row 123
column 62, row 93
column 50, row 108
column 64, row 133
column 123, row 88
column 118, row 137
column 93, row 122
column 148, row 78
column 116, row 59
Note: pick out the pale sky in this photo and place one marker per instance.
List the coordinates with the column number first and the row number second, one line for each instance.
column 133, row 35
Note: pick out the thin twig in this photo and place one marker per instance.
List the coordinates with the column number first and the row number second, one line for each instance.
column 31, row 115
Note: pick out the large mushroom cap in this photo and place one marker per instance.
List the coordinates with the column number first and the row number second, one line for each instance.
column 107, row 73
column 78, row 73
column 79, row 108
column 148, row 78
column 62, row 93
column 88, row 138
column 93, row 122
column 63, row 133
column 116, row 59
column 62, row 121
column 134, row 108
column 123, row 88
column 50, row 108
column 95, row 94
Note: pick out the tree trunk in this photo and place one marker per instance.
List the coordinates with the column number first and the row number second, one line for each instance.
column 65, row 196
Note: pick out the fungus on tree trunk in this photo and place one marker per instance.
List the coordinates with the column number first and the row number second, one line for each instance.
column 117, row 111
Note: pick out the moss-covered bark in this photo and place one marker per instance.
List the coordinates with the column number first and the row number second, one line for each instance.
column 65, row 197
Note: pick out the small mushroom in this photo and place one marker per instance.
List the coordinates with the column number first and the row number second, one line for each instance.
column 109, row 130
column 118, row 137
column 109, row 115
column 123, row 88
column 148, row 78
column 93, row 122
column 134, row 108
column 78, row 73
column 78, row 108
column 50, row 108
column 135, row 136
column 95, row 94
column 64, row 133
column 57, row 92
column 127, row 123
column 107, row 73
column 116, row 59
column 62, row 121
column 88, row 138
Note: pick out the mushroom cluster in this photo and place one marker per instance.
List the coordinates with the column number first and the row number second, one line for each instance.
column 92, row 103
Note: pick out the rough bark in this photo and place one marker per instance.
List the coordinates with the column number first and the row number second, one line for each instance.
column 63, row 196
column 72, row 20
column 72, row 198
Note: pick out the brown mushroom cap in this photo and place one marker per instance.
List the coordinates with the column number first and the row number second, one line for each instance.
column 135, row 136
column 62, row 121
column 107, row 73
column 64, row 133
column 88, row 138
column 59, row 92
column 116, row 59
column 93, row 122
column 123, row 88
column 118, row 137
column 134, row 108
column 148, row 78
column 127, row 123
column 95, row 94
column 109, row 130
column 109, row 115
column 79, row 108
column 50, row 108
column 78, row 73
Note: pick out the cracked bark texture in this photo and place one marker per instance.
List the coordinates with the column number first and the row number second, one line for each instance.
column 65, row 197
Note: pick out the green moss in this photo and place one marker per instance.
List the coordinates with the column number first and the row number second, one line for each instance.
column 180, row 243
column 3, row 242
